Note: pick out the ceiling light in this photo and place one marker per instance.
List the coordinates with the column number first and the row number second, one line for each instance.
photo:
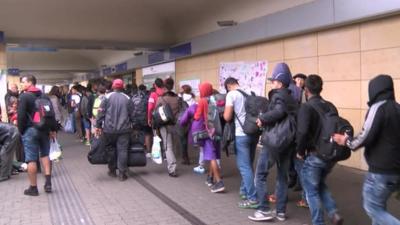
column 226, row 23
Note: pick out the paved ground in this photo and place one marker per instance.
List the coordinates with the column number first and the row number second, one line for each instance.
column 84, row 194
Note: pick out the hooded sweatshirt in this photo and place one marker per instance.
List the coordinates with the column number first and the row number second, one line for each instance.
column 26, row 108
column 381, row 130
column 206, row 91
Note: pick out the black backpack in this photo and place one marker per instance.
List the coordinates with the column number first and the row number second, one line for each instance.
column 331, row 123
column 163, row 115
column 213, row 123
column 140, row 102
column 254, row 105
column 44, row 118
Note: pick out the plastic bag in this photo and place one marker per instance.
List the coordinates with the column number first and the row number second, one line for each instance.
column 69, row 127
column 55, row 150
column 156, row 150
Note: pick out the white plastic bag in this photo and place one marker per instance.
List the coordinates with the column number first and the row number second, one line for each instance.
column 69, row 127
column 55, row 150
column 156, row 150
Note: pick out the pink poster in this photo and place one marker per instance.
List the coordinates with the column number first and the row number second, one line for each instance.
column 251, row 75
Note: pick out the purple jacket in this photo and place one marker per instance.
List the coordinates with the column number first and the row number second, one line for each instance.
column 187, row 117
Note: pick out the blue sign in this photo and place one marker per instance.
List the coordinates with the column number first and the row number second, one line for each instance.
column 180, row 51
column 156, row 57
column 1, row 36
column 13, row 71
column 122, row 67
column 107, row 71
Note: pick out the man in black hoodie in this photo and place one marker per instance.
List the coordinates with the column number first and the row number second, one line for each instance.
column 282, row 105
column 381, row 138
column 34, row 140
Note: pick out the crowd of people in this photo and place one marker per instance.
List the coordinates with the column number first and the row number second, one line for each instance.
column 309, row 145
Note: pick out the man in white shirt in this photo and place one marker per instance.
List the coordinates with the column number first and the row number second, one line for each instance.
column 245, row 145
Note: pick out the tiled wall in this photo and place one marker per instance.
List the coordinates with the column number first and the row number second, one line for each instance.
column 345, row 57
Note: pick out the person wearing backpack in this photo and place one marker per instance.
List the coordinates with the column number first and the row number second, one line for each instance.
column 140, row 104
column 245, row 145
column 210, row 144
column 159, row 91
column 381, row 138
column 168, row 132
column 114, row 119
column 36, row 140
column 84, row 110
column 310, row 127
column 76, row 98
column 282, row 108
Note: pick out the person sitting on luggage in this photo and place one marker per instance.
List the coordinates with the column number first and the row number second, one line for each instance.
column 9, row 136
column 114, row 119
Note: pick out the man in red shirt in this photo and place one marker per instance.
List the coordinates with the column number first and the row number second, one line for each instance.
column 159, row 86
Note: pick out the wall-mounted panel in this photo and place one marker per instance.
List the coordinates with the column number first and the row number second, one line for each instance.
column 340, row 40
column 383, row 61
column 300, row 46
column 340, row 67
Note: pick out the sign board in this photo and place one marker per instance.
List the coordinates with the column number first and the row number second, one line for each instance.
column 192, row 83
column 163, row 71
column 162, row 68
column 251, row 75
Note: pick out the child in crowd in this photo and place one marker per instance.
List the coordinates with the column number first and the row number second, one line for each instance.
column 210, row 147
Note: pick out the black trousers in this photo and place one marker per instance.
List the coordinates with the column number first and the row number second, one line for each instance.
column 117, row 147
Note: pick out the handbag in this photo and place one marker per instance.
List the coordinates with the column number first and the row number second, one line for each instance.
column 281, row 135
column 199, row 136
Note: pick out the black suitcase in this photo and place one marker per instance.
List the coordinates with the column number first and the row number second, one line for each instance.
column 136, row 151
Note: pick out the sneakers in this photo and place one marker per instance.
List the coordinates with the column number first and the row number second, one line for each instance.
column 173, row 174
column 242, row 196
column 31, row 191
column 148, row 155
column 199, row 170
column 122, row 177
column 280, row 216
column 112, row 173
column 262, row 216
column 210, row 181
column 248, row 204
column 87, row 143
column 218, row 187
column 47, row 187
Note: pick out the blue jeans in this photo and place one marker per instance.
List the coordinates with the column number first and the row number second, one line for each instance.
column 298, row 166
column 264, row 163
column 376, row 191
column 245, row 153
column 314, row 174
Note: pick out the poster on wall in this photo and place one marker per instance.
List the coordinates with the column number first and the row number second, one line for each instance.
column 192, row 83
column 251, row 75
